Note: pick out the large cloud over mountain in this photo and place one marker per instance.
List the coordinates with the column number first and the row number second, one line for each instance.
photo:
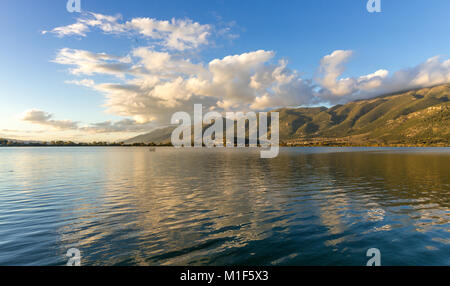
column 152, row 82
column 335, row 89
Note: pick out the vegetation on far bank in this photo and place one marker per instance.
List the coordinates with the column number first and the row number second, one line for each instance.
column 14, row 143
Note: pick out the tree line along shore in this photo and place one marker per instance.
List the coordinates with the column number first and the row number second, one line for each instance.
column 296, row 143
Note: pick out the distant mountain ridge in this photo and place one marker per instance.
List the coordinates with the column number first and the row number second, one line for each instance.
column 414, row 117
column 157, row 136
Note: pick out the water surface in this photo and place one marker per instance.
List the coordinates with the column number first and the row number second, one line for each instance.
column 309, row 206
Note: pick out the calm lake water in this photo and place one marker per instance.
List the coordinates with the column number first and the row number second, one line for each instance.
column 309, row 206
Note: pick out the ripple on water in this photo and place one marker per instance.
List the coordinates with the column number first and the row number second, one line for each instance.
column 309, row 206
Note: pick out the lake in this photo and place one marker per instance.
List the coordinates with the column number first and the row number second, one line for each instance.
column 308, row 206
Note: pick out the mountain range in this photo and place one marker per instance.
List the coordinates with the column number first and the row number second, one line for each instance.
column 414, row 117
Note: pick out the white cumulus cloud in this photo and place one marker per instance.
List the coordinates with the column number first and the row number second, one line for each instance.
column 161, row 83
column 177, row 34
column 335, row 89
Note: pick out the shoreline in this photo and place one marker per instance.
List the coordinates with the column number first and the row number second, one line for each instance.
column 281, row 146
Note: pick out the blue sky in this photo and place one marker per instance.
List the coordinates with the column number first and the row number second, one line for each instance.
column 401, row 37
